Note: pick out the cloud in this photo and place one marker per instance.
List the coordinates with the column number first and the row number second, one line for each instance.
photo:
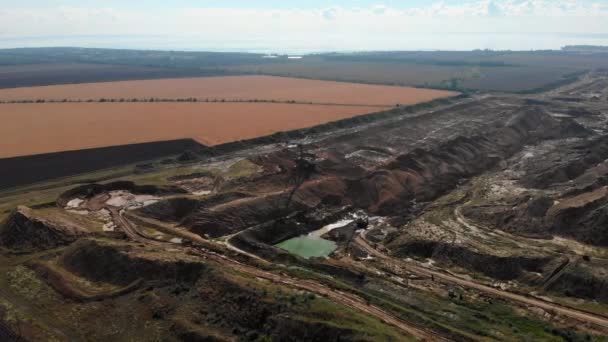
column 329, row 13
column 379, row 9
column 373, row 27
column 493, row 9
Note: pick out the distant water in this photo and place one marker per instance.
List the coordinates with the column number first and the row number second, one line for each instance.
column 434, row 41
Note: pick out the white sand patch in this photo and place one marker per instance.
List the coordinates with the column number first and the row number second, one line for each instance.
column 329, row 228
column 79, row 212
column 201, row 193
column 109, row 227
column 103, row 214
column 145, row 198
column 75, row 203
column 176, row 240
column 149, row 202
column 119, row 198
column 127, row 200
column 429, row 263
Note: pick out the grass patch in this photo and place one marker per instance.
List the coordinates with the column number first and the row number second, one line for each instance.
column 364, row 327
column 240, row 169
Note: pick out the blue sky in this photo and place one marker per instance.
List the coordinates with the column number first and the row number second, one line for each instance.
column 304, row 26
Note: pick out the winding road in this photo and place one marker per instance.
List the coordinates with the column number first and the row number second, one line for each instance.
column 587, row 317
column 340, row 297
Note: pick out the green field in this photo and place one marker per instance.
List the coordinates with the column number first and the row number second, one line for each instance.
column 509, row 71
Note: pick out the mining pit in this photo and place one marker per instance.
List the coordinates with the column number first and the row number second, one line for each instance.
column 443, row 223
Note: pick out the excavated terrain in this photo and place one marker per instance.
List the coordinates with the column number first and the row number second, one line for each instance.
column 479, row 218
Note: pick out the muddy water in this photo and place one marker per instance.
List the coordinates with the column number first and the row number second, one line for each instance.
column 308, row 246
column 312, row 245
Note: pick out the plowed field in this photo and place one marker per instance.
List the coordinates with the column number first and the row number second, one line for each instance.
column 52, row 127
column 232, row 88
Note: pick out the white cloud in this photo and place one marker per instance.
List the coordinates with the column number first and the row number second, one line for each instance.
column 329, row 13
column 374, row 27
column 379, row 9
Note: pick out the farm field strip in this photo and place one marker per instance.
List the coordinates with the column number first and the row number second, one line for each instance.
column 245, row 88
column 204, row 100
column 38, row 128
column 211, row 110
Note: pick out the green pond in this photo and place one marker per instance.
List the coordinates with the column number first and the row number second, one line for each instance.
column 308, row 246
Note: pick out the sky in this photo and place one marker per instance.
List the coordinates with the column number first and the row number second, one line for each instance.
column 304, row 26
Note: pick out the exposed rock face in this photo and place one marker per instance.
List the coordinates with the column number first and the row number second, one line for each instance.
column 392, row 188
column 583, row 280
column 503, row 268
column 23, row 231
column 583, row 217
column 170, row 210
column 423, row 175
column 567, row 163
column 235, row 216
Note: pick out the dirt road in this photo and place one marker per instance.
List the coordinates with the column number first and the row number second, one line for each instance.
column 340, row 297
column 582, row 316
column 346, row 299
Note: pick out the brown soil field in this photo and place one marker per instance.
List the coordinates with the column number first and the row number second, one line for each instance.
column 52, row 127
column 233, row 87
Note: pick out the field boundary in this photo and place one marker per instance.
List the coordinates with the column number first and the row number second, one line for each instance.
column 193, row 100
column 17, row 172
column 26, row 170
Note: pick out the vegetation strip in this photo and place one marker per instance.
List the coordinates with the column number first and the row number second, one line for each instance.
column 567, row 311
column 192, row 99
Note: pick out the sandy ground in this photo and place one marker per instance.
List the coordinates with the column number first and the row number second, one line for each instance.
column 28, row 129
column 234, row 87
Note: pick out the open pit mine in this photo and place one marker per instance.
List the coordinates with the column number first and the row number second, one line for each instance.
column 478, row 217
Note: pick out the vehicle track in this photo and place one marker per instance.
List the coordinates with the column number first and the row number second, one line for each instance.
column 346, row 299
column 579, row 315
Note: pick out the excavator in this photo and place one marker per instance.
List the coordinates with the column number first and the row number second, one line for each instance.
column 304, row 168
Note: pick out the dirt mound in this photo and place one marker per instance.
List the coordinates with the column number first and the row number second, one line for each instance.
column 423, row 175
column 329, row 192
column 124, row 264
column 579, row 112
column 23, row 231
column 90, row 190
column 177, row 209
column 569, row 196
column 523, row 216
column 170, row 210
column 497, row 267
column 583, row 217
column 235, row 216
column 583, row 281
column 570, row 162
